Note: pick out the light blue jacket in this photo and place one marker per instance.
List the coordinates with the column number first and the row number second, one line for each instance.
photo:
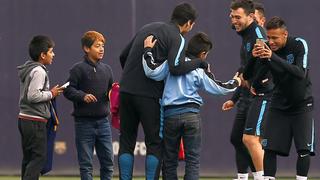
column 183, row 89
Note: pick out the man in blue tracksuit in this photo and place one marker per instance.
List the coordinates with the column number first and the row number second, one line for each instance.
column 181, row 103
column 255, row 95
column 291, row 109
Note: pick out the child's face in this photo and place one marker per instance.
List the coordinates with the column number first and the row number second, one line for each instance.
column 96, row 51
column 203, row 55
column 47, row 57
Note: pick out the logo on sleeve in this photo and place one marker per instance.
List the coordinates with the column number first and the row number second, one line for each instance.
column 264, row 142
column 290, row 58
column 248, row 47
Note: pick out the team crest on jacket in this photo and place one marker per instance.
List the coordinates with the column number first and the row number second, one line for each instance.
column 264, row 142
column 290, row 58
column 248, row 47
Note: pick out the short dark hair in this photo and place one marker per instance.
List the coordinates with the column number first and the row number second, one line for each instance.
column 39, row 44
column 182, row 13
column 259, row 7
column 90, row 37
column 200, row 42
column 275, row 23
column 246, row 5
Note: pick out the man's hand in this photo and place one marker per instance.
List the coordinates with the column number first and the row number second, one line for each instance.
column 89, row 98
column 263, row 52
column 148, row 43
column 237, row 78
column 56, row 91
column 244, row 83
column 267, row 52
column 253, row 91
column 227, row 105
column 257, row 50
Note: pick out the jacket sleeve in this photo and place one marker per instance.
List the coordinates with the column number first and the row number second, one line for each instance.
column 124, row 54
column 249, row 68
column 298, row 67
column 262, row 74
column 71, row 92
column 213, row 86
column 250, row 71
column 236, row 95
column 36, row 93
column 153, row 70
column 176, row 58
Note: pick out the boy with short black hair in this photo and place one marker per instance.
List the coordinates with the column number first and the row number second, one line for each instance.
column 181, row 103
column 90, row 81
column 34, row 105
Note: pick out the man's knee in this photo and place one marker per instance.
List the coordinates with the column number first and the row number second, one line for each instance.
column 250, row 140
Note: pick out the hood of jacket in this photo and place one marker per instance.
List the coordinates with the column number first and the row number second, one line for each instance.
column 24, row 69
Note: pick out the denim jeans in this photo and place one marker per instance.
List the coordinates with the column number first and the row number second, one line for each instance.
column 90, row 134
column 187, row 126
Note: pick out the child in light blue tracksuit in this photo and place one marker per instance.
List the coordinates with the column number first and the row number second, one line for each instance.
column 181, row 103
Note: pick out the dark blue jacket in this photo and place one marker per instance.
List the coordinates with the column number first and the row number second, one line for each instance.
column 290, row 68
column 253, row 70
column 89, row 78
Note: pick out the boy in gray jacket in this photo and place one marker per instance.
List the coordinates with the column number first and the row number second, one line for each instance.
column 34, row 106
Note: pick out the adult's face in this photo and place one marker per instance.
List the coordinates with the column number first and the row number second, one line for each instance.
column 277, row 38
column 259, row 17
column 239, row 19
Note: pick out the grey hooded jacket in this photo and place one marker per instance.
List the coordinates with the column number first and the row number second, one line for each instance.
column 35, row 95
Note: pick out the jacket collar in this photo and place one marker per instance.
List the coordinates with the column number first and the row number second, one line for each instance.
column 87, row 60
column 249, row 29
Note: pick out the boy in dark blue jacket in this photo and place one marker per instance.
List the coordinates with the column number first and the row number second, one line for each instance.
column 90, row 81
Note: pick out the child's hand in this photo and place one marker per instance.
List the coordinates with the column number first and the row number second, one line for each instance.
column 148, row 43
column 89, row 98
column 56, row 91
